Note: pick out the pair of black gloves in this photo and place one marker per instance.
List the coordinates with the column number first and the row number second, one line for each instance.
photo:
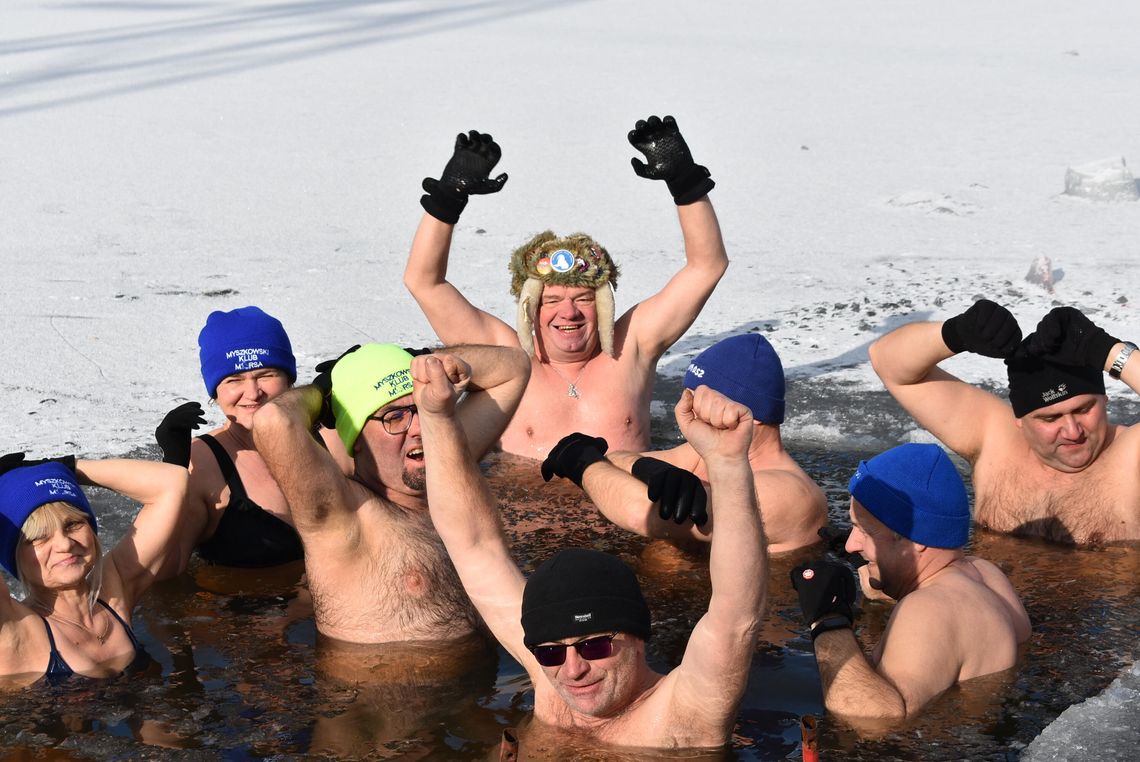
column 14, row 460
column 476, row 154
column 1064, row 336
column 679, row 494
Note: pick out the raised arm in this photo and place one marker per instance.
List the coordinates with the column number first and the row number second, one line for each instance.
column 454, row 319
column 463, row 511
column 710, row 681
column 958, row 413
column 317, row 492
column 153, row 539
column 499, row 377
column 657, row 322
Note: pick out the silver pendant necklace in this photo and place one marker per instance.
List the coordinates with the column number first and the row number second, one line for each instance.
column 572, row 389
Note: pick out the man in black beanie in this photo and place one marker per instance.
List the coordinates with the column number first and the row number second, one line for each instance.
column 579, row 626
column 1049, row 463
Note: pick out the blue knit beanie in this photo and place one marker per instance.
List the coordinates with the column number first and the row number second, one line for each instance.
column 240, row 340
column 915, row 490
column 22, row 491
column 746, row 370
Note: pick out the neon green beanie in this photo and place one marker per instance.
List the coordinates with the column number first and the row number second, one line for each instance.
column 365, row 381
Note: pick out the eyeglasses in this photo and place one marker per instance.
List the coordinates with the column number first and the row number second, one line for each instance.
column 598, row 647
column 397, row 420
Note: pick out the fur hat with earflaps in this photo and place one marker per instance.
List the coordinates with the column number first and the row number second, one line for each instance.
column 576, row 260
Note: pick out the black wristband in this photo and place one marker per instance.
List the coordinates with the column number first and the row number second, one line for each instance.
column 445, row 204
column 691, row 185
column 828, row 623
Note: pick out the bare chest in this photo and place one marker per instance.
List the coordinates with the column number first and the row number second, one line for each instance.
column 606, row 401
column 393, row 582
column 1098, row 505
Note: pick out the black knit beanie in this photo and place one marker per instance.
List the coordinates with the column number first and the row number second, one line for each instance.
column 581, row 592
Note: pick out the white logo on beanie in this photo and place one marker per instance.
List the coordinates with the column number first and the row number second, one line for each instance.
column 696, row 370
column 583, row 617
column 1058, row 392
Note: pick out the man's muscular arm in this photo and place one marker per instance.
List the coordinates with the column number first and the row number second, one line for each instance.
column 463, row 511
column 918, row 663
column 656, row 323
column 499, row 377
column 710, row 681
column 454, row 319
column 623, row 498
column 310, row 479
column 958, row 413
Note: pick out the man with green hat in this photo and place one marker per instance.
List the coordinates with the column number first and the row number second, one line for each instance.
column 376, row 569
column 589, row 372
column 580, row 624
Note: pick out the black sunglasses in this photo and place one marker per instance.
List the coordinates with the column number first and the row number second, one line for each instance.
column 598, row 647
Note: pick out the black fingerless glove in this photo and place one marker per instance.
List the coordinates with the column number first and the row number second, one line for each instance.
column 827, row 593
column 679, row 494
column 669, row 159
column 174, row 435
column 468, row 171
column 573, row 454
column 323, row 381
column 1065, row 336
column 986, row 329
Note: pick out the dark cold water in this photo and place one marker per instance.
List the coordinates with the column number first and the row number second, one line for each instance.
column 241, row 674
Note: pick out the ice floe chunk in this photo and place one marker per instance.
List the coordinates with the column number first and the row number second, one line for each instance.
column 1104, row 180
column 1106, row 726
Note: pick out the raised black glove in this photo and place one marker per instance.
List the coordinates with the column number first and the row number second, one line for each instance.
column 986, row 329
column 827, row 593
column 323, row 381
column 669, row 159
column 679, row 494
column 14, row 460
column 836, row 540
column 1065, row 336
column 468, row 171
column 572, row 455
column 174, row 433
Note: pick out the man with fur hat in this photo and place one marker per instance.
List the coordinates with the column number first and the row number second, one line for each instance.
column 1048, row 463
column 957, row 616
column 377, row 570
column 589, row 373
column 579, row 625
column 625, row 486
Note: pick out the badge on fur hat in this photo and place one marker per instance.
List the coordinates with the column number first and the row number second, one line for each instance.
column 562, row 261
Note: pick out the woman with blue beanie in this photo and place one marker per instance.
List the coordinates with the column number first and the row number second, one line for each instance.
column 237, row 515
column 75, row 619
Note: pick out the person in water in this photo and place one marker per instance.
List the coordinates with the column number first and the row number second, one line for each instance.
column 625, row 485
column 957, row 616
column 237, row 514
column 580, row 624
column 377, row 571
column 1048, row 463
column 588, row 373
column 76, row 617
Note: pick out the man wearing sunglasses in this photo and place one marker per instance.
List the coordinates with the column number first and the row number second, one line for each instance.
column 376, row 569
column 580, row 625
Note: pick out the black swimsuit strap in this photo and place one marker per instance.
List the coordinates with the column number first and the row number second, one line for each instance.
column 227, row 467
column 120, row 620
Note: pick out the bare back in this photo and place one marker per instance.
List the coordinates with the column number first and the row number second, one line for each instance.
column 966, row 621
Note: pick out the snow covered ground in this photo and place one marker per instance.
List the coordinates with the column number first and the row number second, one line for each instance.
column 876, row 162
